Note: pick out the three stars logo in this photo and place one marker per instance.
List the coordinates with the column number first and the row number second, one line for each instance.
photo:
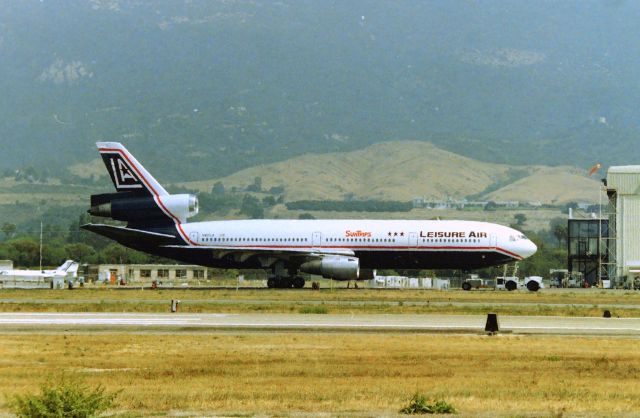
column 395, row 234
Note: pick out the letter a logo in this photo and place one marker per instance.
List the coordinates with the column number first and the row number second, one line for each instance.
column 123, row 176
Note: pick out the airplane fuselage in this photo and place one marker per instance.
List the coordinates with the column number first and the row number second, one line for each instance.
column 378, row 244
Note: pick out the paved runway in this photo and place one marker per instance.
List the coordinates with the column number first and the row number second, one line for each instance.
column 280, row 302
column 37, row 322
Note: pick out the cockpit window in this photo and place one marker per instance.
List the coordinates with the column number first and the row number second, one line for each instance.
column 521, row 236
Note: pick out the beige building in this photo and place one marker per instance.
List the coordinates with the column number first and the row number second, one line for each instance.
column 150, row 272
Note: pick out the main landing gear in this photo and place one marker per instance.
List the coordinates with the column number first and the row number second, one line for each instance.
column 285, row 282
column 284, row 277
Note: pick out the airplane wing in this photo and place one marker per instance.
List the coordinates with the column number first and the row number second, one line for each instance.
column 267, row 256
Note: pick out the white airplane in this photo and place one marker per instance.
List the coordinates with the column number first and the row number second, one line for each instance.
column 336, row 249
column 68, row 269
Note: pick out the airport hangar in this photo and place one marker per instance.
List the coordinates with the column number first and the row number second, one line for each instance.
column 607, row 247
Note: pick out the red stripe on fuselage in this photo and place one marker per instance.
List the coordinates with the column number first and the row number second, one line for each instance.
column 356, row 248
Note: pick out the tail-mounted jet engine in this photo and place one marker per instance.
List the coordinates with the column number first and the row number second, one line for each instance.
column 125, row 206
column 334, row 267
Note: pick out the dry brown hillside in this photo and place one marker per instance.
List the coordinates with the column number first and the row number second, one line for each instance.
column 402, row 170
column 554, row 185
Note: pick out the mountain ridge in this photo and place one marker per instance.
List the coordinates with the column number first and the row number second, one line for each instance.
column 404, row 170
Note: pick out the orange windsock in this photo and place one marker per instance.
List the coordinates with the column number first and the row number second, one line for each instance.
column 595, row 168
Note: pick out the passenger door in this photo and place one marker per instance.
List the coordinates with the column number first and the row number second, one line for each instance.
column 316, row 240
column 413, row 239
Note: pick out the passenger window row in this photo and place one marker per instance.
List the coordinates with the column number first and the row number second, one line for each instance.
column 271, row 240
column 208, row 239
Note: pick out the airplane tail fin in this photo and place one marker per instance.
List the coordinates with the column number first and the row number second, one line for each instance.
column 140, row 199
column 127, row 174
column 69, row 267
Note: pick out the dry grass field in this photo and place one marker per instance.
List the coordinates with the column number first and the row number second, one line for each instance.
column 100, row 292
column 234, row 373
column 346, row 375
column 554, row 302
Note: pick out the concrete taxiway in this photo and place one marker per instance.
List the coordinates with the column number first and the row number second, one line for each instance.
column 43, row 322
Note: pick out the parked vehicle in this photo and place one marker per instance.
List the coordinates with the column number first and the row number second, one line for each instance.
column 533, row 283
column 562, row 278
column 509, row 279
column 509, row 283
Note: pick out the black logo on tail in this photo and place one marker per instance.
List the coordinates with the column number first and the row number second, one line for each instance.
column 124, row 178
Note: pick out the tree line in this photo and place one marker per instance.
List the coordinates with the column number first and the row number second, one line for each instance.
column 60, row 244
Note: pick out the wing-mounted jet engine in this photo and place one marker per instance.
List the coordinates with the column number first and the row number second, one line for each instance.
column 336, row 267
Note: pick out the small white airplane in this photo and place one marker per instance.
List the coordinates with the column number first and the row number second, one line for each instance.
column 68, row 269
column 336, row 249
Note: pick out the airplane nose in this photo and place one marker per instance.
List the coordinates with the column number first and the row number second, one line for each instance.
column 528, row 249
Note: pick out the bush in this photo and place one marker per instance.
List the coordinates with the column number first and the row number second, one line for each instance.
column 419, row 405
column 67, row 398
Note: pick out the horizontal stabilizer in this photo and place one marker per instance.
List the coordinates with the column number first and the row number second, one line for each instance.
column 132, row 236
